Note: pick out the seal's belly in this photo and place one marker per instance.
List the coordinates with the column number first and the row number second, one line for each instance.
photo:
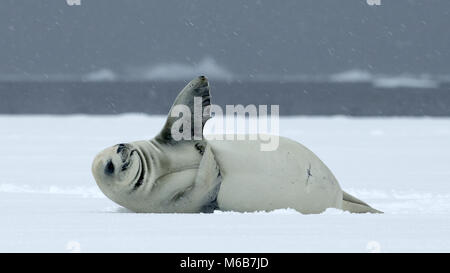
column 289, row 177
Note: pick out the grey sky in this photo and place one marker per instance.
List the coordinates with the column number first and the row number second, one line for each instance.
column 246, row 37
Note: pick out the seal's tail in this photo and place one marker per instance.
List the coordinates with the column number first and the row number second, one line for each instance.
column 354, row 205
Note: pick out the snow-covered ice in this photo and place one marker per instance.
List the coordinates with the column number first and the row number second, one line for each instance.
column 49, row 200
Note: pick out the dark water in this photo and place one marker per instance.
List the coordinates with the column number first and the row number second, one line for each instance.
column 294, row 98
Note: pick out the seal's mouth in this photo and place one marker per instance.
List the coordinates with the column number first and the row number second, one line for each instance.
column 140, row 173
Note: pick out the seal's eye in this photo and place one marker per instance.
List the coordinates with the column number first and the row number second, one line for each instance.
column 109, row 169
column 125, row 166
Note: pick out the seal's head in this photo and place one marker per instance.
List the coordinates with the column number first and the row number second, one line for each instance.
column 162, row 174
column 118, row 170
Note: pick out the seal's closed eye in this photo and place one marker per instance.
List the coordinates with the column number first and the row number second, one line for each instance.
column 125, row 166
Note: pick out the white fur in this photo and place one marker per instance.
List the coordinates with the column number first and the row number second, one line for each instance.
column 254, row 180
column 185, row 176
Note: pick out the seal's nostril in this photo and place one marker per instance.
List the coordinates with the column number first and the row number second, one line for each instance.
column 109, row 168
column 120, row 147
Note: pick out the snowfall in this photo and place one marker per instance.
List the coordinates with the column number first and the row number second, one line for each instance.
column 49, row 201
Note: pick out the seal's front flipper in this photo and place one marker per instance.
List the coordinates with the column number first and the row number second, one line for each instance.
column 201, row 195
column 208, row 180
column 189, row 113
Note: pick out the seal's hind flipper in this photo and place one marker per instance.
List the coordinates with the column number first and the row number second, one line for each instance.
column 189, row 113
column 354, row 205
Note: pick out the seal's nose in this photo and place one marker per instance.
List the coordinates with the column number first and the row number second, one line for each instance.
column 124, row 151
column 121, row 147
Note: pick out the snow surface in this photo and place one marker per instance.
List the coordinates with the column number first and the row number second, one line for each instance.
column 49, row 201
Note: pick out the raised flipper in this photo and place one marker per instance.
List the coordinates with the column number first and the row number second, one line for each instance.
column 189, row 113
column 184, row 128
column 354, row 205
